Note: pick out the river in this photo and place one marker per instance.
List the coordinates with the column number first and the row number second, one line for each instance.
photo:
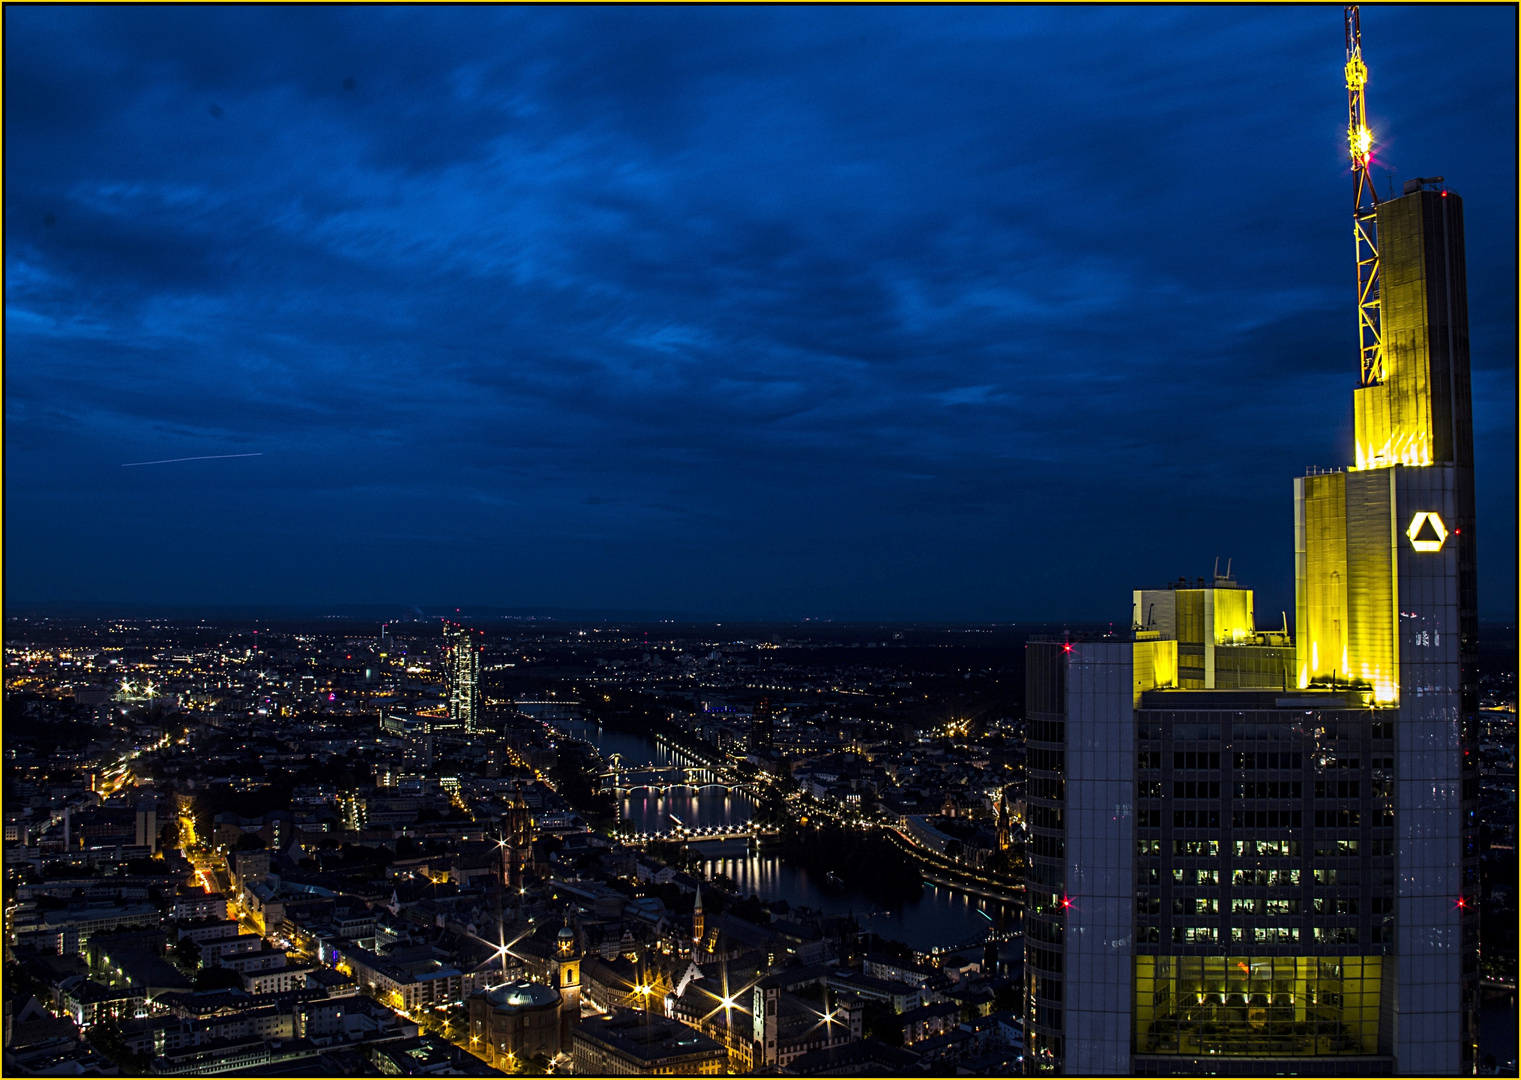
column 942, row 917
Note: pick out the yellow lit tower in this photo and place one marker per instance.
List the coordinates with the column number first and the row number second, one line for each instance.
column 1413, row 431
column 1386, row 576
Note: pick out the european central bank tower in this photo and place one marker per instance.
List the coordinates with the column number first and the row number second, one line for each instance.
column 1254, row 852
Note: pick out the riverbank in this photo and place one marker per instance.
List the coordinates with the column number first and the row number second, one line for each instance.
column 937, row 868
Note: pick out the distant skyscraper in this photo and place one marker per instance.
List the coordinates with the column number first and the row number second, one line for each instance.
column 1276, row 872
column 762, row 727
column 462, row 669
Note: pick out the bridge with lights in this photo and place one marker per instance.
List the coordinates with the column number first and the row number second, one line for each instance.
column 661, row 780
column 680, row 831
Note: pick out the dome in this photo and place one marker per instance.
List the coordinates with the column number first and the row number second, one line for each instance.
column 522, row 994
column 566, row 933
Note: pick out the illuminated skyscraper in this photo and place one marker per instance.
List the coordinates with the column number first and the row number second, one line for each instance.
column 1278, row 874
column 1387, row 598
column 462, row 669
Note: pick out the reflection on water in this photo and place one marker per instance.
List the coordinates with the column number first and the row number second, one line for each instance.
column 941, row 917
column 633, row 750
column 1497, row 1030
column 649, row 811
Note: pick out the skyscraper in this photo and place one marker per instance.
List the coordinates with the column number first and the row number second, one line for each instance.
column 762, row 726
column 462, row 669
column 1280, row 875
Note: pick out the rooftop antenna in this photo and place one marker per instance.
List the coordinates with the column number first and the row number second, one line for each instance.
column 1228, row 563
column 1372, row 369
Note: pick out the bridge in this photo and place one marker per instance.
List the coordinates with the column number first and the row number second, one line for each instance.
column 680, row 831
column 992, row 935
column 661, row 780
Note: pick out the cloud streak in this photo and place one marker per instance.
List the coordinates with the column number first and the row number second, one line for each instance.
column 201, row 457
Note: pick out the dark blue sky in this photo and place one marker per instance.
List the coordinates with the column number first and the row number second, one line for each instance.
column 988, row 313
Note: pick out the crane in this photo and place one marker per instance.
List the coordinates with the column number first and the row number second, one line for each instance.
column 1364, row 208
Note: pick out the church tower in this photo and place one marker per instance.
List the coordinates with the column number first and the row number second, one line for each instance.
column 566, row 971
column 517, row 845
column 697, row 922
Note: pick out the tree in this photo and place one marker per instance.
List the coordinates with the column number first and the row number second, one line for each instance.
column 106, row 1037
column 1006, row 997
column 879, row 1021
column 188, row 953
column 217, row 978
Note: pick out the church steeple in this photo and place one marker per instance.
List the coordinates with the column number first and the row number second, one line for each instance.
column 565, row 970
column 697, row 919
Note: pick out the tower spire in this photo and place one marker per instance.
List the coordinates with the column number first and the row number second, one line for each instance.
column 1371, row 370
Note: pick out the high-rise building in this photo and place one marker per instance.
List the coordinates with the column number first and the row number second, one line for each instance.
column 762, row 727
column 462, row 671
column 1277, row 873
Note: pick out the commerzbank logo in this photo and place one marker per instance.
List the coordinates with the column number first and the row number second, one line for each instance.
column 1426, row 532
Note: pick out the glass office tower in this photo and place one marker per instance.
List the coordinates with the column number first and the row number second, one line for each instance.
column 1248, row 879
column 462, row 675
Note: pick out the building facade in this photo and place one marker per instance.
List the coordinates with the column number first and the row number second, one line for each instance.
column 632, row 1042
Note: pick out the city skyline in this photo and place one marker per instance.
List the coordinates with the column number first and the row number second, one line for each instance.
column 743, row 314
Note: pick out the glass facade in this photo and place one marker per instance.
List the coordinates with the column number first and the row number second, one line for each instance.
column 1101, row 693
column 1257, row 1006
column 1046, row 876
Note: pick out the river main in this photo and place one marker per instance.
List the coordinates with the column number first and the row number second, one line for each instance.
column 942, row 917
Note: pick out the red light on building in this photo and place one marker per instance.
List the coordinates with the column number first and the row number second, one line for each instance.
column 1066, row 902
column 1067, row 647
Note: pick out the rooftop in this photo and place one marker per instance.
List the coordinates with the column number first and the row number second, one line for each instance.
column 522, row 994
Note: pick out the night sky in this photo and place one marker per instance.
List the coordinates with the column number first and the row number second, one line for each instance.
column 963, row 314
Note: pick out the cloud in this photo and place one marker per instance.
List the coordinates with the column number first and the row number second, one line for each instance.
column 882, row 278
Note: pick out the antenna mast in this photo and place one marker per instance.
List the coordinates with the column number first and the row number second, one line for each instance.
column 1370, row 337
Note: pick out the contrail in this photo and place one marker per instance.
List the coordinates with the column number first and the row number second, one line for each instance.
column 172, row 460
